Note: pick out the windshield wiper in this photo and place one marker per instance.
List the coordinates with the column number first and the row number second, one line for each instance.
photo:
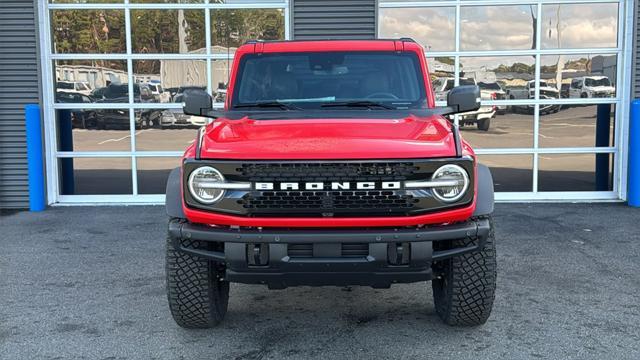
column 359, row 103
column 267, row 104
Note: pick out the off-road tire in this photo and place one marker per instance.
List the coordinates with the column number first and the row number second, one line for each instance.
column 198, row 298
column 464, row 290
column 484, row 124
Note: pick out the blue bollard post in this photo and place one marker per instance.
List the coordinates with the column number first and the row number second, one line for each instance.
column 34, row 157
column 633, row 193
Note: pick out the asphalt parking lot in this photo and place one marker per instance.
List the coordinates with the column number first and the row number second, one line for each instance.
column 84, row 282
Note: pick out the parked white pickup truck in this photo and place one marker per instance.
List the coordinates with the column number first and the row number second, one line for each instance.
column 591, row 87
column 481, row 117
column 529, row 92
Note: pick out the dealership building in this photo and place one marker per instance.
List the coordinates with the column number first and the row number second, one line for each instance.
column 558, row 76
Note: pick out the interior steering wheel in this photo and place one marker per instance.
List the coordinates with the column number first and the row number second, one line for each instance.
column 383, row 95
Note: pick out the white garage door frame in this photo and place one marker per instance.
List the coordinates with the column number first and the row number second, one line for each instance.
column 622, row 101
column 626, row 18
column 53, row 155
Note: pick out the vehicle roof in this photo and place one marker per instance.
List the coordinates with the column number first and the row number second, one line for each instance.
column 329, row 45
column 595, row 77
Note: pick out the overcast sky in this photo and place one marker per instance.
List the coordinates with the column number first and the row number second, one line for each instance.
column 504, row 27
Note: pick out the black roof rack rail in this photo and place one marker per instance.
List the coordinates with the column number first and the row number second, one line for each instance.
column 407, row 39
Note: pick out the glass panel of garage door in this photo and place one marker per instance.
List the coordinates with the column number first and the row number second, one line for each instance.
column 95, row 176
column 168, row 31
column 511, row 173
column 432, row 27
column 168, row 1
column 231, row 28
column 589, row 25
column 497, row 27
column 164, row 81
column 591, row 125
column 88, row 31
column 575, row 172
column 153, row 173
column 499, row 78
column 90, row 81
column 85, row 1
column 581, row 76
column 166, row 129
column 93, row 130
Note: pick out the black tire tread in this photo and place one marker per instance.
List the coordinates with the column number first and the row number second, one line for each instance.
column 197, row 298
column 465, row 294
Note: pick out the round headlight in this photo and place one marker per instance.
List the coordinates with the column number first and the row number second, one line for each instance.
column 456, row 180
column 200, row 184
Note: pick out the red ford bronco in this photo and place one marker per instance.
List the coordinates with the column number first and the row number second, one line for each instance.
column 330, row 165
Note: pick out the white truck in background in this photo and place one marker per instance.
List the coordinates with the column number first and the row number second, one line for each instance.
column 591, row 87
column 481, row 117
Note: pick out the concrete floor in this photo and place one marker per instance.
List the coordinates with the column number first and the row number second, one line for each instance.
column 79, row 282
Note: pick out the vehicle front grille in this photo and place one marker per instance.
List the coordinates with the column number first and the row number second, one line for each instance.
column 384, row 201
column 337, row 196
column 347, row 171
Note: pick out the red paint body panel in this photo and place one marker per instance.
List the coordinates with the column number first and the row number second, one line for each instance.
column 314, row 139
column 449, row 216
column 329, row 139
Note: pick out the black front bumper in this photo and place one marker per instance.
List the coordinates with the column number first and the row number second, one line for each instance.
column 386, row 255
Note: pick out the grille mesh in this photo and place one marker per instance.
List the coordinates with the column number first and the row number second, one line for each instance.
column 328, row 200
column 345, row 200
column 327, row 171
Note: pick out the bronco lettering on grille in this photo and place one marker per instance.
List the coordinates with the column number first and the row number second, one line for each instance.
column 336, row 185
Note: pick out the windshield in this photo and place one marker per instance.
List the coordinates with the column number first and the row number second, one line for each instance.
column 597, row 82
column 311, row 80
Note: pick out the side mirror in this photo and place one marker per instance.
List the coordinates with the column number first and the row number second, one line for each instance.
column 197, row 102
column 463, row 98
